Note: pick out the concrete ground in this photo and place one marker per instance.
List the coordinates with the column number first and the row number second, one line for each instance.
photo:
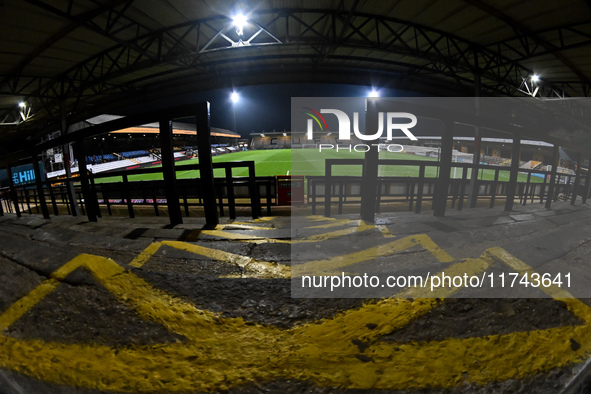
column 133, row 305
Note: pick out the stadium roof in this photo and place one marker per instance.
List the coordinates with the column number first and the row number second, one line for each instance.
column 87, row 57
column 177, row 127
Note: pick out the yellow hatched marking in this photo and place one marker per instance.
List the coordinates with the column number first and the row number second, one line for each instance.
column 224, row 352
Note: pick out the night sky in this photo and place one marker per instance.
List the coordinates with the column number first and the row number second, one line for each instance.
column 267, row 107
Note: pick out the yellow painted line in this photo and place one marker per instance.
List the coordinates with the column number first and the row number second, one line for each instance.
column 242, row 226
column 329, row 225
column 264, row 219
column 252, row 267
column 221, row 353
column 19, row 308
column 333, row 234
column 309, row 239
column 333, row 223
column 394, row 313
column 242, row 237
column 334, row 264
column 386, row 233
column 497, row 254
column 263, row 269
column 320, row 218
column 145, row 255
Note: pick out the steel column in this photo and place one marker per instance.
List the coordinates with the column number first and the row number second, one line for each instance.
column 87, row 193
column 512, row 186
column 475, row 163
column 74, row 209
column 587, row 182
column 442, row 185
column 577, row 180
column 39, row 184
column 370, row 167
column 551, row 186
column 169, row 173
column 12, row 190
column 205, row 163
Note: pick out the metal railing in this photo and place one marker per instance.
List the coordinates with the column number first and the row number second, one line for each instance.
column 231, row 192
column 329, row 190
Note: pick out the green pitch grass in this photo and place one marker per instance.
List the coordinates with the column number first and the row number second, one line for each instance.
column 311, row 162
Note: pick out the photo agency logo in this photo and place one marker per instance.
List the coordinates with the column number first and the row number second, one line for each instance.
column 386, row 121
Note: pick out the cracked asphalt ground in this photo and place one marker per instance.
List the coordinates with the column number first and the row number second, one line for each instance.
column 131, row 305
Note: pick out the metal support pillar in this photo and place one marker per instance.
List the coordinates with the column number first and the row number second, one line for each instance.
column 89, row 196
column 474, row 187
column 512, row 186
column 577, row 180
column 74, row 209
column 587, row 182
column 370, row 168
column 12, row 189
column 443, row 181
column 39, row 184
column 205, row 164
column 552, row 185
column 475, row 163
column 169, row 173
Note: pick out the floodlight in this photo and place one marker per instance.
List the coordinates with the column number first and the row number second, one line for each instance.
column 535, row 78
column 234, row 97
column 239, row 21
column 374, row 93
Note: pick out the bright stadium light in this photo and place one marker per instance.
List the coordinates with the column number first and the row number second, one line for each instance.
column 234, row 97
column 22, row 104
column 374, row 93
column 535, row 78
column 239, row 21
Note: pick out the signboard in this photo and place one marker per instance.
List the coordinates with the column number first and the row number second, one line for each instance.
column 21, row 175
column 290, row 189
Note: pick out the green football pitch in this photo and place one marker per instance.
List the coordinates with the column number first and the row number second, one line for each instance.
column 311, row 162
